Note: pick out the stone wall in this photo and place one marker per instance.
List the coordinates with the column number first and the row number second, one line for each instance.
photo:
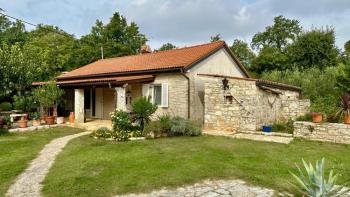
column 251, row 106
column 326, row 132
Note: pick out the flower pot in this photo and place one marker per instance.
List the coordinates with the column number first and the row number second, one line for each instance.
column 71, row 117
column 316, row 117
column 50, row 120
column 36, row 122
column 346, row 119
column 59, row 120
column 22, row 123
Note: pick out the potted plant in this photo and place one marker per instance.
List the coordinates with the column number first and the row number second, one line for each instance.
column 23, row 122
column 344, row 108
column 47, row 96
column 36, row 119
column 316, row 117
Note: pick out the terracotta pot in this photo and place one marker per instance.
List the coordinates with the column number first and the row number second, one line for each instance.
column 346, row 119
column 36, row 122
column 22, row 123
column 316, row 117
column 71, row 117
column 59, row 120
column 50, row 120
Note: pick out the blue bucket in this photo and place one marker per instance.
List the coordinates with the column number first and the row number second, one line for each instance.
column 267, row 128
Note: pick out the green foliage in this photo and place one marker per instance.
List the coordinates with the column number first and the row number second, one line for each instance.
column 102, row 132
column 243, row 52
column 3, row 131
column 159, row 127
column 5, row 106
column 315, row 48
column 270, row 59
column 143, row 110
column 306, row 117
column 278, row 35
column 314, row 183
column 121, row 121
column 48, row 95
column 283, row 127
column 343, row 79
column 167, row 46
column 181, row 126
column 347, row 47
column 24, row 103
column 34, row 115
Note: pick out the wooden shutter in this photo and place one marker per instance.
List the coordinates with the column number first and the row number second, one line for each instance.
column 165, row 95
column 145, row 90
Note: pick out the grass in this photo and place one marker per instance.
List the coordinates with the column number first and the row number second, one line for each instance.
column 18, row 149
column 90, row 167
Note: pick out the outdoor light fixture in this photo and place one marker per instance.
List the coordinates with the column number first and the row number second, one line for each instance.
column 225, row 84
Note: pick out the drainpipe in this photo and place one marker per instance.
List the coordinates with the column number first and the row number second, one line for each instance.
column 188, row 93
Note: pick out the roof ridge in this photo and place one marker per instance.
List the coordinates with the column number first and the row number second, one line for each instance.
column 157, row 52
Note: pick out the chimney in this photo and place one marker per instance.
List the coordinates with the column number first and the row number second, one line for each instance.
column 146, row 49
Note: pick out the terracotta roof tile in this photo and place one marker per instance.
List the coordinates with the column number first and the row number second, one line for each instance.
column 170, row 59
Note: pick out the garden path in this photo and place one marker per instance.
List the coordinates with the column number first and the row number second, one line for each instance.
column 28, row 183
column 210, row 189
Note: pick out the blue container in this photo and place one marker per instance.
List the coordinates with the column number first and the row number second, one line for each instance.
column 267, row 128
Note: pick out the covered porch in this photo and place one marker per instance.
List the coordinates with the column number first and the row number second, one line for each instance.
column 96, row 98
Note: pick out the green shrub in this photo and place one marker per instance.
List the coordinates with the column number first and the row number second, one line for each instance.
column 121, row 121
column 24, row 103
column 143, row 110
column 193, row 128
column 137, row 133
column 178, row 126
column 283, row 127
column 3, row 131
column 102, row 132
column 121, row 135
column 5, row 106
column 47, row 95
column 306, row 117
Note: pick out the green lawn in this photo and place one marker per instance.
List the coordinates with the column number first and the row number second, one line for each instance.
column 90, row 167
column 18, row 149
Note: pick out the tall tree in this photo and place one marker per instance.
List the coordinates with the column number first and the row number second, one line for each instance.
column 282, row 32
column 347, row 48
column 11, row 32
column 269, row 59
column 117, row 38
column 243, row 52
column 167, row 46
column 315, row 48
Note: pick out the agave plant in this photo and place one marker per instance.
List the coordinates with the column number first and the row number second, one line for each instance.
column 315, row 184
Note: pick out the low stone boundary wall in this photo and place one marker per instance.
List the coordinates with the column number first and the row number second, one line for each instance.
column 326, row 132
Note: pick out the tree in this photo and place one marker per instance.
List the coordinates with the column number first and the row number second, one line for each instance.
column 48, row 95
column 282, row 32
column 347, row 48
column 18, row 69
column 269, row 59
column 315, row 48
column 215, row 38
column 167, row 46
column 11, row 32
column 117, row 38
column 243, row 52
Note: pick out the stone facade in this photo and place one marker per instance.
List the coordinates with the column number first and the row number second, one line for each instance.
column 326, row 132
column 245, row 107
column 79, row 105
column 177, row 94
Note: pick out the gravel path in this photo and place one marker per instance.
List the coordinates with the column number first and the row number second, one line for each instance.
column 28, row 183
column 211, row 189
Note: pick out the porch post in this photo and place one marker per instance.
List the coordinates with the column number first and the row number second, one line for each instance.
column 79, row 105
column 121, row 102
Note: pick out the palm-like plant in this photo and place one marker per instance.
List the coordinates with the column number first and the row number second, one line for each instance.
column 344, row 105
column 315, row 184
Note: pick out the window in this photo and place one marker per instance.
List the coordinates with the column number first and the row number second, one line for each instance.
column 228, row 99
column 157, row 94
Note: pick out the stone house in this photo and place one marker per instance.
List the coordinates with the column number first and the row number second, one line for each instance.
column 184, row 82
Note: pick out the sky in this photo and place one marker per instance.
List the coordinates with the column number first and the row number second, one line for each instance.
column 186, row 22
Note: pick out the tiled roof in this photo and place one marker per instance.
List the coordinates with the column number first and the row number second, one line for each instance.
column 101, row 80
column 181, row 58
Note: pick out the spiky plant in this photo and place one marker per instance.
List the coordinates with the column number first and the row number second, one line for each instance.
column 344, row 105
column 315, row 184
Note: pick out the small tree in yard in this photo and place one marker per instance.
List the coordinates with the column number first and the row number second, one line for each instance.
column 143, row 109
column 47, row 95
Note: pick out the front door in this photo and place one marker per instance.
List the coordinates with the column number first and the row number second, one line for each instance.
column 108, row 102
